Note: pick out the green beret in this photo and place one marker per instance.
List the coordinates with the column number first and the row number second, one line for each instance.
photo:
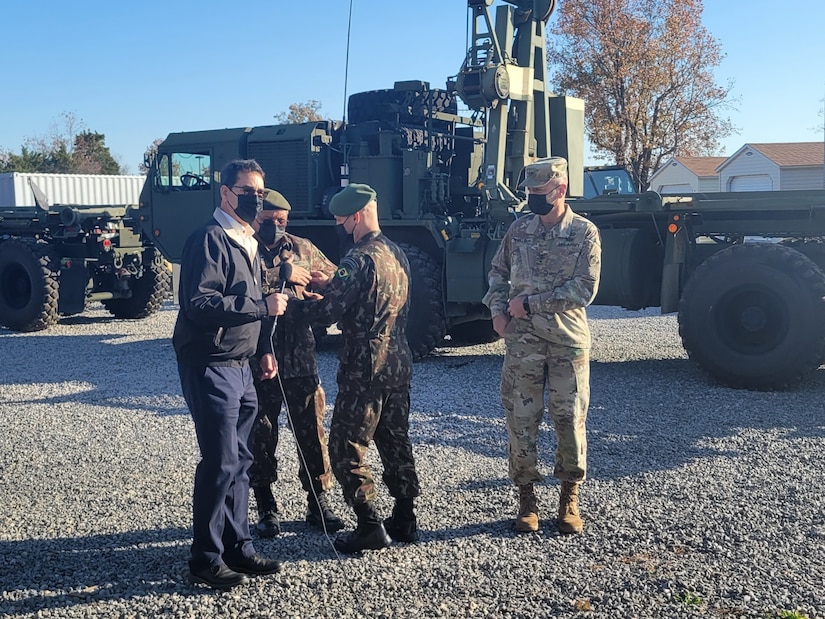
column 351, row 199
column 275, row 200
column 541, row 171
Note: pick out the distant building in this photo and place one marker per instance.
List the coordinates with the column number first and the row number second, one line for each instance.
column 754, row 167
column 78, row 189
column 774, row 167
column 687, row 175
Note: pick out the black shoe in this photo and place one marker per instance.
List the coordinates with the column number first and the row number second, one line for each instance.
column 269, row 524
column 218, row 577
column 366, row 537
column 402, row 529
column 255, row 565
column 320, row 515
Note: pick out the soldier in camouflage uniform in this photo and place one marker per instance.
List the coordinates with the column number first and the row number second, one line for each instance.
column 297, row 381
column 544, row 274
column 368, row 298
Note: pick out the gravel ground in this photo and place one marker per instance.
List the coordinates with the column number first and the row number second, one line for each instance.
column 701, row 501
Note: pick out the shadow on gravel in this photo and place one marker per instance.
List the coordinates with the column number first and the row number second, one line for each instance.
column 656, row 415
column 110, row 370
column 87, row 570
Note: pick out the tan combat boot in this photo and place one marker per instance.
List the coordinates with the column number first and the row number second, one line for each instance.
column 569, row 519
column 528, row 511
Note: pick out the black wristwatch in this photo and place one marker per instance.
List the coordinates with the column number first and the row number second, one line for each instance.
column 526, row 304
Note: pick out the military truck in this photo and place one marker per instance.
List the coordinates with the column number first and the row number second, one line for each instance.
column 744, row 271
column 54, row 260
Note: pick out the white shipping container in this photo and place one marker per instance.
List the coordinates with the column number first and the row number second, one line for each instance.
column 83, row 189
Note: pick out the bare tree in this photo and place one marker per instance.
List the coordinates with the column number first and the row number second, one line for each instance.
column 644, row 70
column 301, row 113
column 149, row 154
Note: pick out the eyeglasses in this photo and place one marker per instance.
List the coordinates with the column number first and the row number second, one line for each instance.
column 278, row 221
column 246, row 190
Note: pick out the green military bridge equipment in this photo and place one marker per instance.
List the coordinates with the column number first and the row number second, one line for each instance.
column 743, row 271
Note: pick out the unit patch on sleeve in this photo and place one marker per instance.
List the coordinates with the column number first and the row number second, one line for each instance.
column 346, row 268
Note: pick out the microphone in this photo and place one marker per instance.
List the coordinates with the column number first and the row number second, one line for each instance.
column 284, row 273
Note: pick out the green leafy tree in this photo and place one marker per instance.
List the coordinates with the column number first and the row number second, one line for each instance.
column 69, row 148
column 301, row 113
column 645, row 71
column 91, row 155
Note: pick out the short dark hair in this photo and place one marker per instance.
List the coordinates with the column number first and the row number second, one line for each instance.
column 229, row 173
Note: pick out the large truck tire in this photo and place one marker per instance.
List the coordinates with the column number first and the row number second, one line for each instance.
column 390, row 104
column 148, row 292
column 426, row 323
column 753, row 316
column 29, row 286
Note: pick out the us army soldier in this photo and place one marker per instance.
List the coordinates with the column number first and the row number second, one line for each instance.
column 544, row 274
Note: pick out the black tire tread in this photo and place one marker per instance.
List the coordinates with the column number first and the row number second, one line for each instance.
column 791, row 263
column 426, row 323
column 148, row 292
column 41, row 309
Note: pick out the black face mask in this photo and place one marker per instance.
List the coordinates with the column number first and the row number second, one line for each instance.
column 538, row 204
column 248, row 207
column 270, row 233
column 345, row 239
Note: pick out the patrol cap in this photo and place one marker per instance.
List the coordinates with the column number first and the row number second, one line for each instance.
column 541, row 171
column 351, row 199
column 275, row 200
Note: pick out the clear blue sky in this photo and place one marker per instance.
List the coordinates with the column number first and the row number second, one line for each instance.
column 137, row 71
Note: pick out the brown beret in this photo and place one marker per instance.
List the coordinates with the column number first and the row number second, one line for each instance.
column 275, row 200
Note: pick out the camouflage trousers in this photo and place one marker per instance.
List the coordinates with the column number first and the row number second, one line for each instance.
column 305, row 401
column 359, row 417
column 531, row 364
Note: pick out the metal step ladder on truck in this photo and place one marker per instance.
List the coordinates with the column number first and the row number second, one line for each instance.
column 447, row 191
column 55, row 260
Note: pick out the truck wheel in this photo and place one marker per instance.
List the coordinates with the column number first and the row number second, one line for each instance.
column 392, row 104
column 148, row 292
column 474, row 332
column 753, row 316
column 28, row 285
column 426, row 324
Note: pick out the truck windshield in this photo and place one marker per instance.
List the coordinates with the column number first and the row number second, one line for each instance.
column 183, row 171
column 607, row 181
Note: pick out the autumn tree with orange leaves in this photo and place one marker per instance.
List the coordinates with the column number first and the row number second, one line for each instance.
column 645, row 71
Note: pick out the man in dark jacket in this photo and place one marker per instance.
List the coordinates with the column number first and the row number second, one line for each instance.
column 297, row 381
column 217, row 332
column 368, row 298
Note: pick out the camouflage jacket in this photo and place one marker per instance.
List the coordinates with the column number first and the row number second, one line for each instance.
column 294, row 343
column 558, row 268
column 368, row 298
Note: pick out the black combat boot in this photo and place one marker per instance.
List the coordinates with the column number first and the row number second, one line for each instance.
column 269, row 524
column 368, row 535
column 402, row 525
column 319, row 514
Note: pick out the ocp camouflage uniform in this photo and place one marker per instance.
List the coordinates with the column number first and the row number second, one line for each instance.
column 368, row 298
column 559, row 271
column 294, row 345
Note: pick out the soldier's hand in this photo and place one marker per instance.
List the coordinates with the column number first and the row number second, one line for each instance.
column 276, row 303
column 269, row 366
column 300, row 276
column 313, row 296
column 500, row 324
column 516, row 307
column 319, row 279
